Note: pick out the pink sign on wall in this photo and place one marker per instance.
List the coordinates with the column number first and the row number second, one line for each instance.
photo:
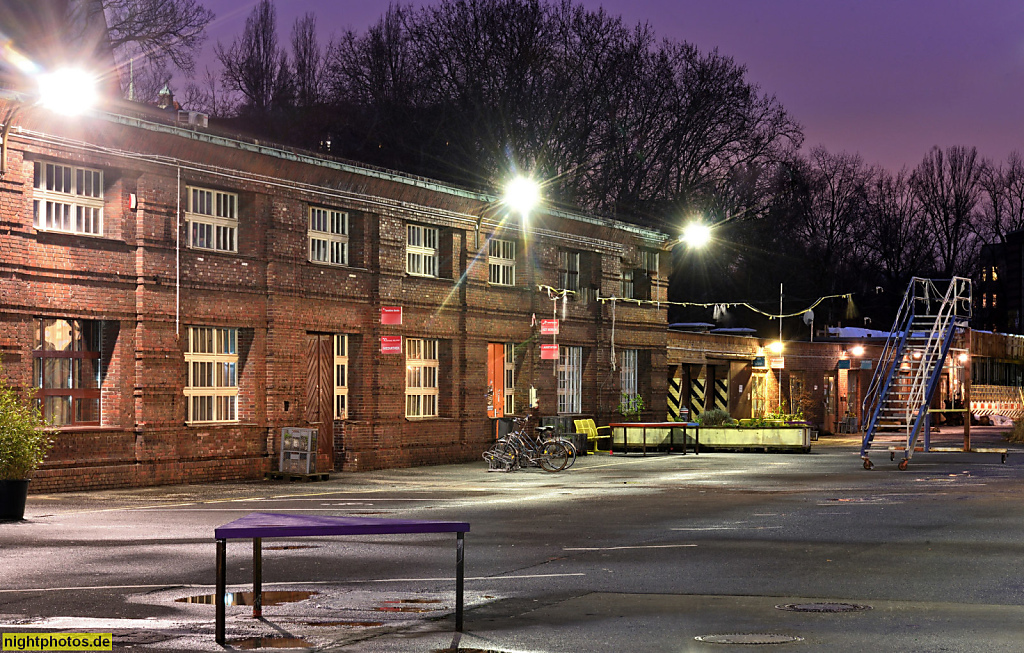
column 549, row 327
column 391, row 344
column 391, row 315
column 549, row 352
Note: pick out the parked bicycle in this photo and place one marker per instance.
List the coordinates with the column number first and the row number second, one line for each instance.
column 520, row 449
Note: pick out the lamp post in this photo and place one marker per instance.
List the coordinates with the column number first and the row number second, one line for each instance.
column 67, row 91
column 522, row 195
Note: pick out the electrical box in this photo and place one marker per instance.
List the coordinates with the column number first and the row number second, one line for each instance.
column 298, row 450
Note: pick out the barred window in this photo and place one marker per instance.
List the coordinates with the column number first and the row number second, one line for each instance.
column 328, row 236
column 67, row 198
column 211, row 219
column 421, row 251
column 570, row 379
column 421, row 365
column 628, row 372
column 501, row 262
column 67, row 370
column 211, row 356
column 510, row 378
column 340, row 376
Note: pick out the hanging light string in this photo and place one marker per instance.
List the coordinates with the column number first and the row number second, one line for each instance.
column 722, row 305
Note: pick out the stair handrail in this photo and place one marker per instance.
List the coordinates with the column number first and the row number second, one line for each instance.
column 888, row 359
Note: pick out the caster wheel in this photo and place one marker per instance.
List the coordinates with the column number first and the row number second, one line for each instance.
column 1004, row 458
column 903, row 464
column 892, row 455
column 868, row 464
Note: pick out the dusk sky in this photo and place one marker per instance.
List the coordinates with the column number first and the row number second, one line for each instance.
column 886, row 78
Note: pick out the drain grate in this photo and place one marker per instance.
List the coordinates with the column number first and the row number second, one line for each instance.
column 755, row 639
column 823, row 607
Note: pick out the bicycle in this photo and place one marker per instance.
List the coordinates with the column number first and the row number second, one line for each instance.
column 518, row 449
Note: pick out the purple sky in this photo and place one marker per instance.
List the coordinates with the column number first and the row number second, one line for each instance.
column 886, row 78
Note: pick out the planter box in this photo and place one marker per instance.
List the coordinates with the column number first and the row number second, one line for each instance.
column 783, row 438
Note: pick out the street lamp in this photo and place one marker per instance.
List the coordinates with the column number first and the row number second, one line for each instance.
column 696, row 234
column 522, row 194
column 66, row 91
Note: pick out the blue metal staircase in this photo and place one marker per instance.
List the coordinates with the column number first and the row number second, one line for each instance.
column 896, row 403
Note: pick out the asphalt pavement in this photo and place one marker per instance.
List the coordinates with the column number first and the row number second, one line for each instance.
column 710, row 552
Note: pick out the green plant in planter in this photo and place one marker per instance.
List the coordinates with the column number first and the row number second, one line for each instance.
column 24, row 436
column 715, row 417
column 631, row 406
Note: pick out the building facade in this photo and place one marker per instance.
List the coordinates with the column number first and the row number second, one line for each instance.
column 176, row 298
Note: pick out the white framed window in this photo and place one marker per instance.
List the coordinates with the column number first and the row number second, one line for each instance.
column 570, row 380
column 501, row 262
column 569, row 270
column 420, row 377
column 510, row 378
column 67, row 198
column 649, row 261
column 628, row 372
column 626, row 282
column 421, row 251
column 211, row 219
column 211, row 356
column 340, row 376
column 328, row 236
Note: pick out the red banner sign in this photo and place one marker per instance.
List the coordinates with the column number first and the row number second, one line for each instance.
column 549, row 327
column 391, row 344
column 391, row 315
column 549, row 352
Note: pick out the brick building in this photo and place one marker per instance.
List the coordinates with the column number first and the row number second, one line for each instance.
column 178, row 297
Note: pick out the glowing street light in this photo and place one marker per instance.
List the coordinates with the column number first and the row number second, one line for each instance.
column 68, row 92
column 522, row 194
column 696, row 234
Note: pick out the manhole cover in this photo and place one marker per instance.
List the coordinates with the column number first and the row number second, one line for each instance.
column 823, row 607
column 755, row 639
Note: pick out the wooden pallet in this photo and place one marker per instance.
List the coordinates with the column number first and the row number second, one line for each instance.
column 292, row 476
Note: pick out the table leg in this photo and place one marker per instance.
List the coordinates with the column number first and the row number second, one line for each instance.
column 696, row 440
column 257, row 577
column 222, row 546
column 460, row 572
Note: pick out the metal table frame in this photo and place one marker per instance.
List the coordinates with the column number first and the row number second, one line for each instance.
column 259, row 525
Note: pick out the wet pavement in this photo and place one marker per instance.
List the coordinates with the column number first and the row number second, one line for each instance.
column 716, row 552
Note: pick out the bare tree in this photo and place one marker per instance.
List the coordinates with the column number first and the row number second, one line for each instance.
column 253, row 62
column 309, row 62
column 1002, row 199
column 157, row 31
column 896, row 233
column 947, row 184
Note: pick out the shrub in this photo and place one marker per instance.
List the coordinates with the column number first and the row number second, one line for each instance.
column 1017, row 434
column 630, row 406
column 713, row 417
column 24, row 438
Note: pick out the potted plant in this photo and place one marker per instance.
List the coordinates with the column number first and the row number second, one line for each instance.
column 631, row 406
column 24, row 440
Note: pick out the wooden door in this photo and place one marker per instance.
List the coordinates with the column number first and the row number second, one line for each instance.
column 320, row 396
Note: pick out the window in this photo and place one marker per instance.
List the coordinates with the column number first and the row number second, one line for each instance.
column 510, row 378
column 211, row 219
column 570, row 379
column 569, row 270
column 628, row 372
column 328, row 236
column 501, row 262
column 66, row 369
column 421, row 251
column 67, row 199
column 420, row 377
column 340, row 377
column 649, row 262
column 211, row 356
column 626, row 283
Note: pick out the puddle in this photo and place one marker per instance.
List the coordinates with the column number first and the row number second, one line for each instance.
column 403, row 605
column 252, row 643
column 245, row 598
column 463, row 649
column 289, row 547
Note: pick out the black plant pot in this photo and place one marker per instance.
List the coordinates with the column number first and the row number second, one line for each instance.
column 12, row 500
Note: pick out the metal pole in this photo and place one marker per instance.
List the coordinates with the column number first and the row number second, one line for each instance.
column 257, row 577
column 222, row 546
column 460, row 572
column 780, row 347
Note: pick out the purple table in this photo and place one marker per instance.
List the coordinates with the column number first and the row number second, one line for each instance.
column 259, row 525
